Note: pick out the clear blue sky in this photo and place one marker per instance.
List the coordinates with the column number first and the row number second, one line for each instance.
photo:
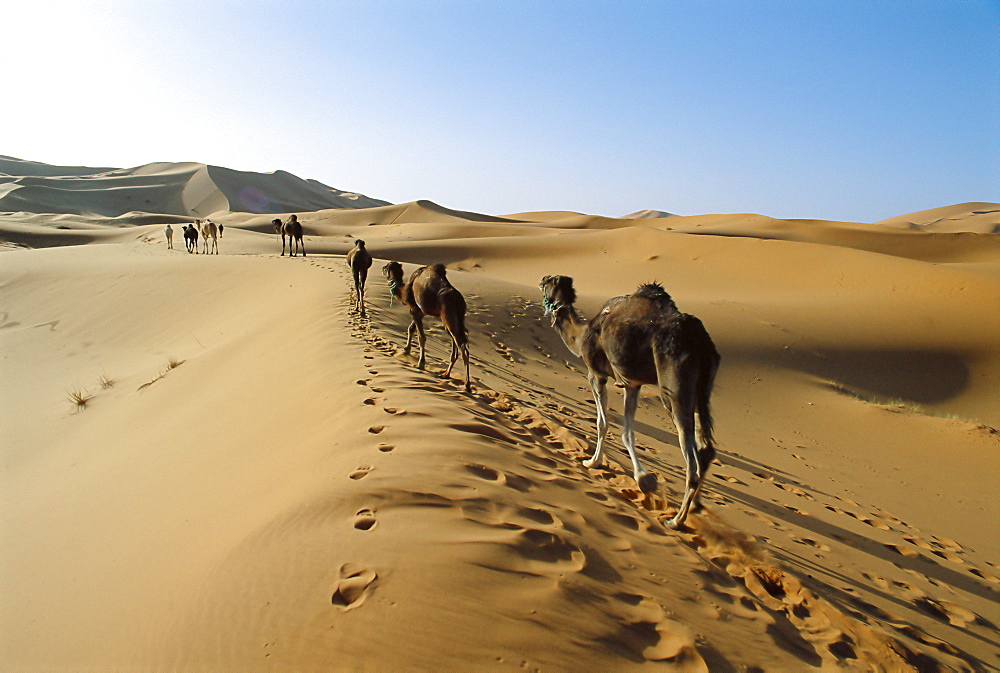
column 828, row 109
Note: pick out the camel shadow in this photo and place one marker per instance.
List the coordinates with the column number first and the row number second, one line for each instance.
column 922, row 376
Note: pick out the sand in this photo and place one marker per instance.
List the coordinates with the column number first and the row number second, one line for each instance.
column 260, row 479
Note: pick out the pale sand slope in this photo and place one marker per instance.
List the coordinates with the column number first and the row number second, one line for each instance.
column 292, row 494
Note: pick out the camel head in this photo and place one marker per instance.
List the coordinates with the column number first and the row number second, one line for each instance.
column 557, row 291
column 359, row 243
column 277, row 225
column 393, row 270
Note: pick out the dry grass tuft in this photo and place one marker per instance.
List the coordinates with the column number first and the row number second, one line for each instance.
column 80, row 398
column 107, row 383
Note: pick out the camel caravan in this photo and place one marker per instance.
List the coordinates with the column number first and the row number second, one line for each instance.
column 635, row 340
column 208, row 231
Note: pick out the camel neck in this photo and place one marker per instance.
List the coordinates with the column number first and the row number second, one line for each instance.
column 571, row 327
column 396, row 290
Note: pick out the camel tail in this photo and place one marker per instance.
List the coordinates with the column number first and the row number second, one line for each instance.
column 687, row 347
column 455, row 306
column 706, row 379
column 461, row 331
column 708, row 364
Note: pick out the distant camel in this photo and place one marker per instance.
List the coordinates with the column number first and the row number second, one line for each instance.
column 429, row 293
column 168, row 231
column 360, row 261
column 191, row 238
column 293, row 230
column 210, row 230
column 643, row 339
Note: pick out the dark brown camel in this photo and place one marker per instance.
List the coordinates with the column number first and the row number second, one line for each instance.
column 428, row 293
column 293, row 230
column 637, row 340
column 191, row 237
column 360, row 261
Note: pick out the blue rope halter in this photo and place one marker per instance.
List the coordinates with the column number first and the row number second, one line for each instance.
column 393, row 286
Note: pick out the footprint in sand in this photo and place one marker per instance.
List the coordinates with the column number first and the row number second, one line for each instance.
column 982, row 574
column 539, row 516
column 809, row 542
column 903, row 551
column 376, row 429
column 483, row 472
column 365, row 519
column 353, row 587
column 386, row 448
column 794, row 490
column 953, row 613
column 541, row 552
column 948, row 556
column 948, row 544
column 361, row 472
column 665, row 640
column 731, row 480
column 371, row 401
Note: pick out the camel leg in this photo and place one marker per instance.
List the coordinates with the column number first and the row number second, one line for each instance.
column 468, row 377
column 282, row 245
column 302, row 247
column 599, row 387
column 684, row 421
column 645, row 480
column 361, row 291
column 454, row 355
column 422, row 339
column 409, row 336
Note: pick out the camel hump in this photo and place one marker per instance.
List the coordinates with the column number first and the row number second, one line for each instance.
column 440, row 270
column 653, row 291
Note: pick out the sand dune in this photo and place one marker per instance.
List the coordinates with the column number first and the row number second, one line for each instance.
column 971, row 217
column 184, row 189
column 261, row 480
column 647, row 215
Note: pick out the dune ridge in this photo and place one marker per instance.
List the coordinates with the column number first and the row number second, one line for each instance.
column 260, row 479
column 183, row 189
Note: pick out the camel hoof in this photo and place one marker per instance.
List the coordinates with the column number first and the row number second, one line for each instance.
column 674, row 524
column 590, row 462
column 647, row 482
